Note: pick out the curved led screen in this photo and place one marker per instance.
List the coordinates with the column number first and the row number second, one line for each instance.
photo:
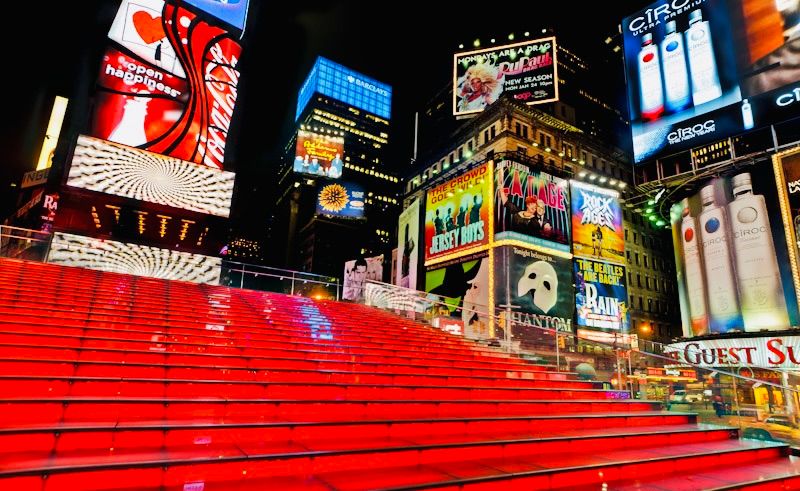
column 107, row 167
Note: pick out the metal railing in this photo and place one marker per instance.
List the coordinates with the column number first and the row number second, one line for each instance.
column 23, row 243
column 761, row 402
column 265, row 278
column 34, row 245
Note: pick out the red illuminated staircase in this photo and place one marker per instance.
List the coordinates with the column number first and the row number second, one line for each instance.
column 110, row 381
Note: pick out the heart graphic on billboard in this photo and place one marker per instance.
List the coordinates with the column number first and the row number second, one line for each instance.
column 148, row 27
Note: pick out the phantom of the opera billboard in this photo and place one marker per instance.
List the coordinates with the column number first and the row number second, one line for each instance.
column 319, row 154
column 601, row 296
column 457, row 215
column 539, row 289
column 531, row 206
column 733, row 265
column 597, row 223
column 527, row 71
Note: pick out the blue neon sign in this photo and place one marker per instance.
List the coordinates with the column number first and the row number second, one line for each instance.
column 343, row 84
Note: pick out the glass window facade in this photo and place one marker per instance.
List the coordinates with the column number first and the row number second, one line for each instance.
column 339, row 82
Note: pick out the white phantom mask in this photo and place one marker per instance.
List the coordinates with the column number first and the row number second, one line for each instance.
column 540, row 280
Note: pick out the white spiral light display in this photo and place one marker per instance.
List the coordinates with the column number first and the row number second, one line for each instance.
column 111, row 168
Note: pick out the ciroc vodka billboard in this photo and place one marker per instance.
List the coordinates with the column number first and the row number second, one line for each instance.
column 703, row 70
column 732, row 260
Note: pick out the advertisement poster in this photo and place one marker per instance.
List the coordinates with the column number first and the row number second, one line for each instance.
column 464, row 289
column 731, row 256
column 538, row 289
column 531, row 206
column 700, row 71
column 527, row 71
column 319, row 154
column 233, row 12
column 408, row 246
column 357, row 272
column 601, row 296
column 341, row 199
column 136, row 102
column 787, row 175
column 176, row 94
column 457, row 214
column 111, row 168
column 597, row 223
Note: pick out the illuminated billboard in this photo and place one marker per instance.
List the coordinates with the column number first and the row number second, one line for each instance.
column 597, row 223
column 408, row 246
column 699, row 71
column 538, row 288
column 463, row 286
column 731, row 256
column 527, row 71
column 787, row 175
column 319, row 154
column 774, row 352
column 601, row 296
column 531, row 207
column 341, row 199
column 176, row 94
column 111, row 168
column 343, row 84
column 457, row 214
column 121, row 257
column 357, row 272
column 233, row 12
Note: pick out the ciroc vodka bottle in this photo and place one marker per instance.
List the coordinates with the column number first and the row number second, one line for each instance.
column 693, row 272
column 747, row 115
column 760, row 289
column 676, row 76
column 723, row 302
column 702, row 62
column 651, row 92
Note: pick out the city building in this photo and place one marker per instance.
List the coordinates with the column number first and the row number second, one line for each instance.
column 138, row 182
column 510, row 130
column 338, row 111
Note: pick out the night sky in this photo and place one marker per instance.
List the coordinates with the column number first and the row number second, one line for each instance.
column 411, row 50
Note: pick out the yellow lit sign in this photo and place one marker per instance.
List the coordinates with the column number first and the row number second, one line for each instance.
column 52, row 133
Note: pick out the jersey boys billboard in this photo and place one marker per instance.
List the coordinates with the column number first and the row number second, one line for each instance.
column 457, row 214
column 527, row 71
column 703, row 70
column 597, row 223
column 175, row 95
column 601, row 297
column 531, row 206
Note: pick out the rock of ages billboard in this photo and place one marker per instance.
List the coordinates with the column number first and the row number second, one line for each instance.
column 538, row 288
column 174, row 88
column 597, row 223
column 531, row 206
column 457, row 214
column 601, row 296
